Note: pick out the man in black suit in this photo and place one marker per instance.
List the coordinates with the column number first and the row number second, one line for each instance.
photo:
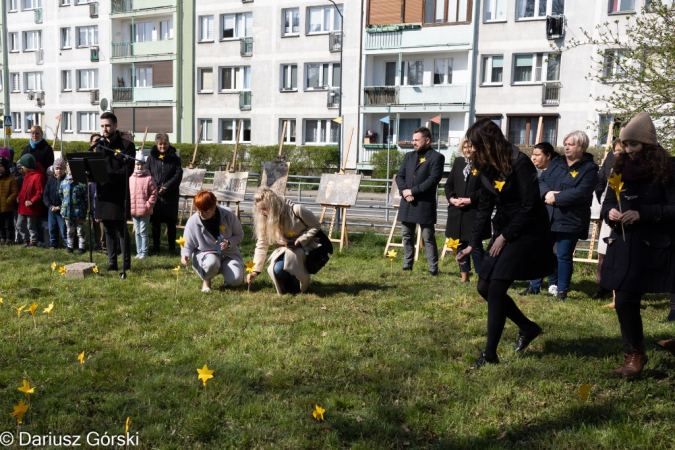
column 417, row 180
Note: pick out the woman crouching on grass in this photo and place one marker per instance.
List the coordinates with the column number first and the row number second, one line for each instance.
column 212, row 236
column 640, row 254
column 519, row 249
column 292, row 228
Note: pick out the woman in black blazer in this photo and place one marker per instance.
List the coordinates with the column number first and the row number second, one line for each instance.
column 462, row 189
column 519, row 249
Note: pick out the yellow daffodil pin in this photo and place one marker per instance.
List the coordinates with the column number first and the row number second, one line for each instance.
column 318, row 412
column 574, row 173
column 499, row 185
column 474, row 172
column 222, row 228
column 290, row 233
column 181, row 242
column 422, row 160
column 205, row 374
column 161, row 157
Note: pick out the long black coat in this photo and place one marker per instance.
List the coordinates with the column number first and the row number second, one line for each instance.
column 420, row 172
column 645, row 261
column 521, row 218
column 43, row 153
column 110, row 196
column 460, row 220
column 168, row 173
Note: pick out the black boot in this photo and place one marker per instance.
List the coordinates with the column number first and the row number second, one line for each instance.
column 524, row 338
column 485, row 359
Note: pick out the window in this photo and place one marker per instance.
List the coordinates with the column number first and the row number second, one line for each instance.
column 32, row 119
column 493, row 68
column 290, row 136
column 32, row 4
column 444, row 131
column 528, row 68
column 13, row 41
column 66, row 80
column 206, row 125
column 16, row 82
column 529, row 9
column 390, row 73
column 143, row 31
column 66, row 38
column 143, row 76
column 523, row 130
column 289, row 77
column 443, row 71
column 235, row 78
column 87, row 79
column 228, row 130
column 291, row 22
column 619, row 6
column 67, row 122
column 407, row 127
column 16, row 121
column 323, row 19
column 612, row 65
column 206, row 28
column 65, row 2
column 87, row 36
column 414, row 73
column 236, row 25
column 13, row 6
column 321, row 131
column 320, row 76
column 33, row 81
column 32, row 40
column 86, row 122
column 495, row 10
column 205, row 79
column 165, row 30
column 446, row 11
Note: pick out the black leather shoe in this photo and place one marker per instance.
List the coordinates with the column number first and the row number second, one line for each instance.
column 561, row 295
column 111, row 267
column 433, row 274
column 524, row 339
column 407, row 268
column 602, row 294
column 485, row 359
column 529, row 291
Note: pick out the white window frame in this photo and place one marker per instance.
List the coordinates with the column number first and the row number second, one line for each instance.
column 406, row 75
column 322, row 124
column 143, row 76
column 487, row 67
column 64, row 3
column 240, row 75
column 36, row 40
column 16, row 121
column 88, row 75
column 200, row 88
column 165, row 30
column 37, row 115
column 329, row 19
column 287, row 75
column 13, row 6
column 92, row 121
column 447, row 74
column 206, row 28
column 66, row 81
column 234, row 123
column 291, row 136
column 243, row 26
column 539, row 71
column 496, row 9
column 28, row 5
column 207, row 130
column 90, row 34
column 611, row 11
column 15, row 80
column 32, row 81
column 537, row 13
column 323, row 68
column 67, row 121
column 290, row 15
column 144, row 32
column 14, row 43
column 66, row 38
column 616, row 75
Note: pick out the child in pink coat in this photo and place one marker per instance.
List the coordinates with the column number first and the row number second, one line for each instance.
column 143, row 195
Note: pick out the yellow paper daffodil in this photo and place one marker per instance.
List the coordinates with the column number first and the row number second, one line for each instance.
column 222, row 228
column 574, row 173
column 499, row 185
column 291, row 233
column 62, row 270
column 53, row 266
column 423, row 160
column 126, row 427
column 161, row 157
column 205, row 374
column 18, row 310
column 452, row 244
column 474, row 172
column 318, row 412
column 95, row 269
column 117, row 150
column 0, row 300
column 48, row 309
column 26, row 389
column 250, row 267
column 32, row 308
column 614, row 181
column 80, row 357
column 19, row 411
column 391, row 254
column 181, row 242
column 176, row 269
column 584, row 391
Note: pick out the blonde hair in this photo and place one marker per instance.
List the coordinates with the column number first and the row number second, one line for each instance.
column 580, row 138
column 462, row 143
column 36, row 128
column 268, row 229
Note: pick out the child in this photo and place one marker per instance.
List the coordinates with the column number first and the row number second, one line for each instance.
column 30, row 200
column 52, row 200
column 74, row 210
column 8, row 193
column 143, row 195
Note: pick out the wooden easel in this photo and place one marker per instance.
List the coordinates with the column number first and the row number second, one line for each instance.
column 145, row 135
column 230, row 168
column 390, row 243
column 186, row 198
column 608, row 144
column 56, row 133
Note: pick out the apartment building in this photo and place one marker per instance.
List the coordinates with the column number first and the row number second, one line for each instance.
column 56, row 65
column 417, row 66
column 264, row 63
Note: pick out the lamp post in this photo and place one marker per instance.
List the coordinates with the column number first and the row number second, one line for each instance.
column 341, row 72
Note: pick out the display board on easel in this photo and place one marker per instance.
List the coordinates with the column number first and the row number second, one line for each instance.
column 192, row 182
column 275, row 173
column 230, row 185
column 395, row 202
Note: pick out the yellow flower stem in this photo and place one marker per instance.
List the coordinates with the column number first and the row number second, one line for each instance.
column 618, row 200
column 391, row 261
column 34, row 324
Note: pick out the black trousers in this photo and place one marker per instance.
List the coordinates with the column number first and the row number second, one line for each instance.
column 627, row 305
column 114, row 229
column 7, row 225
column 500, row 307
column 156, row 220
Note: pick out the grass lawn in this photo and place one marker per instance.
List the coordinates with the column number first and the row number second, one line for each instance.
column 386, row 354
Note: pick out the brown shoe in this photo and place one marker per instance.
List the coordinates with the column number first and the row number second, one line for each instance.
column 668, row 345
column 637, row 359
column 619, row 371
column 465, row 277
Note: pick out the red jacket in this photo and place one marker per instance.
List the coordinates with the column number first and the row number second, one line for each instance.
column 32, row 188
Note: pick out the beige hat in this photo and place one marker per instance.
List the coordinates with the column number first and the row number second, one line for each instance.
column 640, row 129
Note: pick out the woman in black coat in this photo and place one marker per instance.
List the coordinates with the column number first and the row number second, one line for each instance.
column 165, row 168
column 519, row 249
column 39, row 148
column 462, row 190
column 640, row 254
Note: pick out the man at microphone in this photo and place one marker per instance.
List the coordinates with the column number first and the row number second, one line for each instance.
column 110, row 197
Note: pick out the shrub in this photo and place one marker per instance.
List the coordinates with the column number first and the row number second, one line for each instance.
column 379, row 162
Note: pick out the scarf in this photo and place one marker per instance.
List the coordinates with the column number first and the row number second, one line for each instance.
column 33, row 144
column 467, row 169
column 636, row 170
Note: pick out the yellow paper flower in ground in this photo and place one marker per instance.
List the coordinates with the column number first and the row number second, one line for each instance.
column 32, row 308
column 126, row 428
column 452, row 244
column 80, row 357
column 53, row 266
column 62, row 270
column 583, row 391
column 499, row 185
column 391, row 254
column 250, row 267
column 176, row 269
column 48, row 309
column 18, row 310
column 26, row 389
column 181, row 242
column 205, row 374
column 95, row 269
column 318, row 412
column 574, row 174
column 19, row 411
column 0, row 300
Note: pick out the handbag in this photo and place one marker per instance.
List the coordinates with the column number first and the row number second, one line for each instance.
column 316, row 258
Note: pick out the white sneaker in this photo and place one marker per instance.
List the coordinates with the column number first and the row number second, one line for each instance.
column 553, row 289
column 206, row 289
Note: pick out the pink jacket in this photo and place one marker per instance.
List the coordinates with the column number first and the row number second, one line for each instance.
column 143, row 194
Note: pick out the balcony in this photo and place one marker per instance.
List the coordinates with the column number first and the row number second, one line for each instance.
column 94, row 54
column 387, row 39
column 245, row 100
column 434, row 94
column 550, row 94
column 335, row 41
column 126, row 6
column 143, row 94
column 120, row 6
column 133, row 49
column 38, row 15
column 123, row 94
column 121, row 50
column 380, row 95
column 246, row 46
column 334, row 97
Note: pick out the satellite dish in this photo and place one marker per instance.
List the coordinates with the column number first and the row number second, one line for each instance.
column 104, row 104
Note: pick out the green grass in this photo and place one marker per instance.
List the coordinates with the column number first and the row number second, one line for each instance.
column 387, row 355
